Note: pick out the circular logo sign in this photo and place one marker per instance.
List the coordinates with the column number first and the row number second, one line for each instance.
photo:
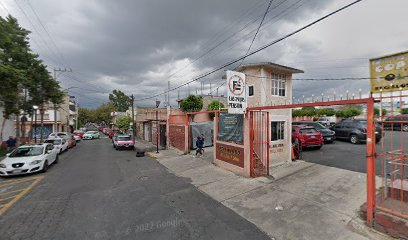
column 236, row 85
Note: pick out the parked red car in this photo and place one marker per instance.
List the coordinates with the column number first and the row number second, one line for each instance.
column 79, row 133
column 111, row 133
column 308, row 136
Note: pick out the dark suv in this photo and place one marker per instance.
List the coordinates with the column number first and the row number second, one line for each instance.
column 355, row 130
column 396, row 123
column 328, row 135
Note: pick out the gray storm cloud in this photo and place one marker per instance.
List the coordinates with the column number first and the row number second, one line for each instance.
column 137, row 46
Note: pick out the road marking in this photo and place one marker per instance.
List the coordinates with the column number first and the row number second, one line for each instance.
column 5, row 193
column 9, row 182
column 17, row 197
column 2, row 199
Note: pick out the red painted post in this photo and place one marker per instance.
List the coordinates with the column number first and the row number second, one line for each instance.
column 268, row 132
column 370, row 161
column 251, row 143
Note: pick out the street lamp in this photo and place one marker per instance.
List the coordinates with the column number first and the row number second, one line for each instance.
column 35, row 107
column 157, row 125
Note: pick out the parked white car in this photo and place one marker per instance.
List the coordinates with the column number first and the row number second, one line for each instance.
column 57, row 135
column 60, row 144
column 28, row 159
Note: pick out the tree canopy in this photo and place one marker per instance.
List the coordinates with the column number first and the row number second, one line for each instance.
column 123, row 123
column 192, row 103
column 25, row 79
column 214, row 105
column 120, row 100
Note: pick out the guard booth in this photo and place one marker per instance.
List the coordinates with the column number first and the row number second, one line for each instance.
column 263, row 136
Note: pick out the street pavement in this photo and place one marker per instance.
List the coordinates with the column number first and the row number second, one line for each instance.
column 95, row 192
column 344, row 155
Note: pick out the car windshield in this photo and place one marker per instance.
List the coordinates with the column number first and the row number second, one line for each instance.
column 54, row 141
column 90, row 132
column 307, row 130
column 362, row 124
column 27, row 152
column 316, row 125
column 124, row 138
column 78, row 132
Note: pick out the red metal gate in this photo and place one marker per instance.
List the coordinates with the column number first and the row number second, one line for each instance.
column 259, row 140
column 393, row 154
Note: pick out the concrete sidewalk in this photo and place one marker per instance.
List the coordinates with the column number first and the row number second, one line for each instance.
column 300, row 200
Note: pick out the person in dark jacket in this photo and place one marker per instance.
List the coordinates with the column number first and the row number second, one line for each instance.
column 200, row 145
column 11, row 144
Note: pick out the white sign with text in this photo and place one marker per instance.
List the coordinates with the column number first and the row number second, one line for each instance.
column 237, row 101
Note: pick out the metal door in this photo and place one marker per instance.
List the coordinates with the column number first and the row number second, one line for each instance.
column 259, row 143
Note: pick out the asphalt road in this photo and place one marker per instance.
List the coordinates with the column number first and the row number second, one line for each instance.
column 344, row 155
column 95, row 192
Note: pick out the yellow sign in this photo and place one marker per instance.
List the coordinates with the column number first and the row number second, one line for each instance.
column 389, row 73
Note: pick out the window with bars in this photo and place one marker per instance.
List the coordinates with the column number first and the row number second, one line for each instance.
column 250, row 91
column 277, row 130
column 278, row 85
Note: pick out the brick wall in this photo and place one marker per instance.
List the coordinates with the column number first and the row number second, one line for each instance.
column 177, row 137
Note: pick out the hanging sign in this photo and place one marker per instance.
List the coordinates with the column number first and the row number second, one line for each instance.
column 237, row 101
column 389, row 73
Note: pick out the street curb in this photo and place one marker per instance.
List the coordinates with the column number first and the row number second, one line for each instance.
column 151, row 155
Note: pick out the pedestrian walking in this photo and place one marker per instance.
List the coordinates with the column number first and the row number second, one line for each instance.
column 200, row 145
column 11, row 144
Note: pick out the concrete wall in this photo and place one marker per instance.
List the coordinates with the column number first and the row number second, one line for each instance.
column 260, row 78
column 9, row 129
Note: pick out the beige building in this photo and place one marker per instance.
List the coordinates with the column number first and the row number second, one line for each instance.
column 271, row 84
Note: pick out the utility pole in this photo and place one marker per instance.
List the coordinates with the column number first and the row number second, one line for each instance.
column 77, row 112
column 132, row 103
column 55, row 128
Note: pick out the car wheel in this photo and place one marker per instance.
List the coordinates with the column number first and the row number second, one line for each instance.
column 319, row 147
column 56, row 159
column 354, row 139
column 60, row 151
column 45, row 166
column 405, row 128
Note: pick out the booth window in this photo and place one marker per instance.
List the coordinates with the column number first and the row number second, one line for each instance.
column 251, row 91
column 277, row 130
column 278, row 85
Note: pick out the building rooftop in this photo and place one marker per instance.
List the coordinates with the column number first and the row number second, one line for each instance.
column 271, row 65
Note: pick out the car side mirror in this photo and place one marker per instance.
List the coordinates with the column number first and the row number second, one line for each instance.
column 8, row 154
column 49, row 151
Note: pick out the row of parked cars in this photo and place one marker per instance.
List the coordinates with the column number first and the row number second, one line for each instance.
column 33, row 158
column 315, row 134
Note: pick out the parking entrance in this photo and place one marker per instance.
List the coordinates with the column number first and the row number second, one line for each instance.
column 262, row 152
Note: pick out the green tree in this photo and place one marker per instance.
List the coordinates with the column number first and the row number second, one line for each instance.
column 326, row 112
column 103, row 113
column 404, row 111
column 123, row 123
column 377, row 111
column 192, row 103
column 214, row 105
column 25, row 79
column 120, row 101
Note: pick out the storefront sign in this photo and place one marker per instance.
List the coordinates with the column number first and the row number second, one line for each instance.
column 389, row 73
column 236, row 88
column 231, row 127
column 230, row 154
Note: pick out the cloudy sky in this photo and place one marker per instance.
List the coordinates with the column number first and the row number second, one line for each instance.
column 137, row 46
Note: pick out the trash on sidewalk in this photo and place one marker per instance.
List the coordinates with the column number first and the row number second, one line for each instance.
column 279, row 208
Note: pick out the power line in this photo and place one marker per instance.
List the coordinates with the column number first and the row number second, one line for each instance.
column 257, row 50
column 46, row 31
column 225, row 40
column 36, row 30
column 257, row 30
